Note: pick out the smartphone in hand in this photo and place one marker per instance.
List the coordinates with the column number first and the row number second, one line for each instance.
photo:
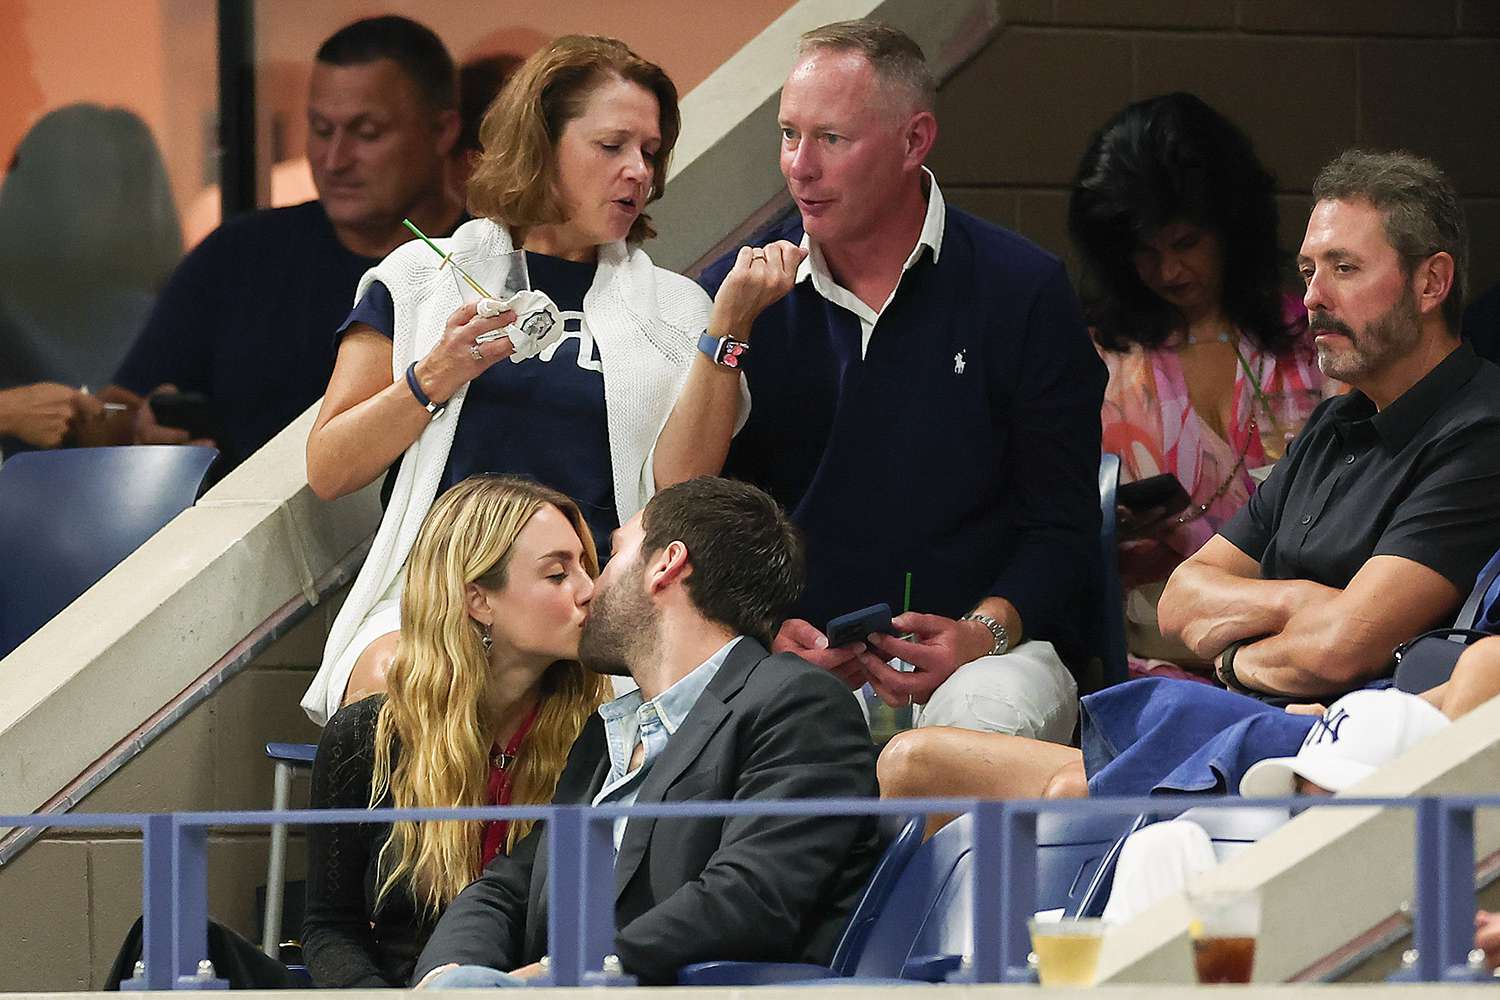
column 188, row 411
column 854, row 626
column 1148, row 502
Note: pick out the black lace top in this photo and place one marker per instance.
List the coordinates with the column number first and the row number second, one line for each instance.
column 346, row 942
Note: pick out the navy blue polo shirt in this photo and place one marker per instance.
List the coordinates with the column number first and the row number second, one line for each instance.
column 543, row 418
column 963, row 448
column 245, row 320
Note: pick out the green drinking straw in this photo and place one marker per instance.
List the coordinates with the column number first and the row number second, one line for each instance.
column 906, row 600
column 447, row 259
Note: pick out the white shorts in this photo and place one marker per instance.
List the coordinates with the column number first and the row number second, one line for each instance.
column 1029, row 691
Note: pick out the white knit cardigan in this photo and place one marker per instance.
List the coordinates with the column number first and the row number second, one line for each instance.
column 646, row 322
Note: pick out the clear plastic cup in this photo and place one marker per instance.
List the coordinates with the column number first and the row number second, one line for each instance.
column 1224, row 927
column 1067, row 951
column 500, row 275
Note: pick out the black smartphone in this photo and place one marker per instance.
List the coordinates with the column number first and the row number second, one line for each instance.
column 1162, row 495
column 188, row 411
column 854, row 626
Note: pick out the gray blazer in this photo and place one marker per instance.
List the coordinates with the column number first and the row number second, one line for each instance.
column 767, row 727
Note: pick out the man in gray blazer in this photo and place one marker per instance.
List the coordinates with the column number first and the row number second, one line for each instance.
column 699, row 583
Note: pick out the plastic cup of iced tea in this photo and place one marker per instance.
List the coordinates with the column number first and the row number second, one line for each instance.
column 1224, row 927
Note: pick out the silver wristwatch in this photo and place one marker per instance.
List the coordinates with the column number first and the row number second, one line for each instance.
column 997, row 629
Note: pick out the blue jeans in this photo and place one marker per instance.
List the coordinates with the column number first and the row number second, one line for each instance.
column 474, row 977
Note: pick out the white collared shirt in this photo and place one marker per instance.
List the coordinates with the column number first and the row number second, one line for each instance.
column 815, row 267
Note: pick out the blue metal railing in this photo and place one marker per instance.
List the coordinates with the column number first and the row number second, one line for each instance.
column 581, row 877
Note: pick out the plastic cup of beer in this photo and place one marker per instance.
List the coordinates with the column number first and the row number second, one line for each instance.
column 1224, row 927
column 1067, row 951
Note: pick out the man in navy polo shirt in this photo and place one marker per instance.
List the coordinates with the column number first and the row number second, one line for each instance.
column 926, row 402
column 248, row 318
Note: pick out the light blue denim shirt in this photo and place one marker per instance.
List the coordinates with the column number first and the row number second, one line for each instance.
column 624, row 718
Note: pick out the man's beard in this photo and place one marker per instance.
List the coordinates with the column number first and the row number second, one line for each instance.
column 1384, row 340
column 620, row 629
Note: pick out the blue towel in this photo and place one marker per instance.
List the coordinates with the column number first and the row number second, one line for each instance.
column 1163, row 736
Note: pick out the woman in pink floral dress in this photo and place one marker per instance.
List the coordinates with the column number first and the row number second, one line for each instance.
column 1211, row 370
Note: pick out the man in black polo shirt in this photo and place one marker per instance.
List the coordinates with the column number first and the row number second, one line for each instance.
column 1373, row 527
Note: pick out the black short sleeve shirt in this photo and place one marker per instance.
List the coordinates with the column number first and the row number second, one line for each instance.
column 1419, row 479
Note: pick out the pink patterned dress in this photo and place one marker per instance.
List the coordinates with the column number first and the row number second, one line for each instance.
column 1150, row 423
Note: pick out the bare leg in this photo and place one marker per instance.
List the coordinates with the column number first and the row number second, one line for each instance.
column 1475, row 680
column 1070, row 782
column 962, row 763
column 368, row 675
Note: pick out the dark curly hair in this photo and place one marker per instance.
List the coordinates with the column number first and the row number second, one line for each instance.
column 1175, row 159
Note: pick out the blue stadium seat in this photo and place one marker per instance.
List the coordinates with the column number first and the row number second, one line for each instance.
column 68, row 517
column 924, row 926
column 1071, row 850
column 1112, row 627
column 883, row 882
column 1090, row 902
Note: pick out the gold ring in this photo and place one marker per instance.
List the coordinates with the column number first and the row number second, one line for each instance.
column 475, row 352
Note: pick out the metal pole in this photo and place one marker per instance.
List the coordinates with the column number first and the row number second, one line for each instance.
column 1455, row 891
column 236, row 107
column 193, row 969
column 157, row 904
column 565, row 843
column 1427, row 920
column 596, row 902
column 1016, row 877
column 281, row 796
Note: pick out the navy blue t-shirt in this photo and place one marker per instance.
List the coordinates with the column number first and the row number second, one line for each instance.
column 543, row 418
column 245, row 320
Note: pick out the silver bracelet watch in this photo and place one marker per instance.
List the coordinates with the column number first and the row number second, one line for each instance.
column 997, row 629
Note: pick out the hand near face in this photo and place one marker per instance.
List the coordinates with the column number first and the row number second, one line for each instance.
column 802, row 638
column 760, row 277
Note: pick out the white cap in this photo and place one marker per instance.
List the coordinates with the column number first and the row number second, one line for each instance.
column 1358, row 734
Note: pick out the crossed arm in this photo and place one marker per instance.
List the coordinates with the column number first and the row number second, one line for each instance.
column 1306, row 638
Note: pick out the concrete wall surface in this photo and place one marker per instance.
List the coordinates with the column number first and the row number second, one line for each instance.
column 90, row 686
column 1330, row 875
column 1305, row 80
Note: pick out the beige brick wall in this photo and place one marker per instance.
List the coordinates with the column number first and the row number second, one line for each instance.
column 1305, row 79
column 71, row 897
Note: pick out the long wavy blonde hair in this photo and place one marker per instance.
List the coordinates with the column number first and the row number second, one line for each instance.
column 437, row 681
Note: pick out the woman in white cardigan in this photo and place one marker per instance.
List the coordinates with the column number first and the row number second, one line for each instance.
column 575, row 147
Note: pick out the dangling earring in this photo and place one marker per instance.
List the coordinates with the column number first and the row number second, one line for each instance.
column 485, row 639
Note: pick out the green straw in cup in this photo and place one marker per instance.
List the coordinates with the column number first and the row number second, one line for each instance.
column 447, row 259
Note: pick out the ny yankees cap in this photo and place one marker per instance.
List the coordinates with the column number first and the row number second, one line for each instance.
column 1356, row 735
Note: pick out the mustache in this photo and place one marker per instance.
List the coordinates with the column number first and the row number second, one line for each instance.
column 1322, row 321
